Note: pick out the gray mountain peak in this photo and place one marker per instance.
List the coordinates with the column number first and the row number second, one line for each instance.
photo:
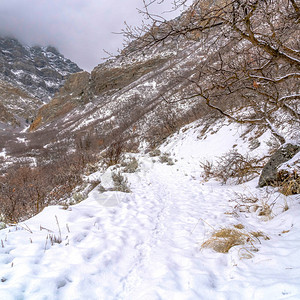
column 40, row 71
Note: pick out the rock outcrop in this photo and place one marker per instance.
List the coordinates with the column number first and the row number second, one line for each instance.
column 82, row 87
column 16, row 106
column 73, row 93
column 271, row 172
column 109, row 79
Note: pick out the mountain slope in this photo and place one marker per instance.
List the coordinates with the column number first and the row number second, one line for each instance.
column 179, row 70
column 125, row 97
column 17, row 106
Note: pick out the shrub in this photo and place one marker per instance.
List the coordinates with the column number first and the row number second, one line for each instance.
column 207, row 167
column 120, row 183
column 113, row 153
column 289, row 182
column 78, row 197
column 165, row 158
column 263, row 206
column 130, row 165
column 25, row 191
column 155, row 152
column 234, row 166
column 101, row 188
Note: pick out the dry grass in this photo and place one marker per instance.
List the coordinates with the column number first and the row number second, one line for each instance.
column 263, row 207
column 290, row 186
column 239, row 226
column 259, row 234
column 265, row 210
column 226, row 238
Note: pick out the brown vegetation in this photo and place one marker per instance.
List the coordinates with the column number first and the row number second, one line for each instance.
column 232, row 166
column 289, row 182
column 226, row 238
column 26, row 190
column 36, row 123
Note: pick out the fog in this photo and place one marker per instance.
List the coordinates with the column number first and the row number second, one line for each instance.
column 79, row 29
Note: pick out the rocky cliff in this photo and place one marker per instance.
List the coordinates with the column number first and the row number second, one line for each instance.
column 38, row 70
column 16, row 106
column 124, row 96
column 29, row 77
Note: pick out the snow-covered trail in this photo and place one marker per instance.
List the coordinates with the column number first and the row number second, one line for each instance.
column 147, row 244
column 165, row 253
column 145, row 247
column 139, row 249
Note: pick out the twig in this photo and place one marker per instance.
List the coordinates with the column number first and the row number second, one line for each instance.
column 58, row 228
column 200, row 219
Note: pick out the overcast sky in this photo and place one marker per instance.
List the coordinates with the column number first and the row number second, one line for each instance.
column 80, row 29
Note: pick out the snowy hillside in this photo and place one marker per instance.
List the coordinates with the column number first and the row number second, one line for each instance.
column 164, row 239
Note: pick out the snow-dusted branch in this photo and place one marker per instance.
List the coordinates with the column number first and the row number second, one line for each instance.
column 276, row 79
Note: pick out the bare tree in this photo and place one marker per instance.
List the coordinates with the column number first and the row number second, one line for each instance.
column 252, row 72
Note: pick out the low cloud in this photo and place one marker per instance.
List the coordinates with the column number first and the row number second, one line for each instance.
column 80, row 29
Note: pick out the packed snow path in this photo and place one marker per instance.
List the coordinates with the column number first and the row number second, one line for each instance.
column 143, row 245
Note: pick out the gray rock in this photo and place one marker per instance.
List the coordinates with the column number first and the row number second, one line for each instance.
column 40, row 62
column 49, row 74
column 52, row 50
column 269, row 173
column 27, row 80
column 26, row 67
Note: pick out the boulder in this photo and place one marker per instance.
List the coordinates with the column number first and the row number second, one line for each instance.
column 27, row 80
column 269, row 174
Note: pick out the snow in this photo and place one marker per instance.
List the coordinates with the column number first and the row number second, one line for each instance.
column 17, row 72
column 191, row 145
column 22, row 140
column 292, row 165
column 51, row 83
column 147, row 244
column 3, row 153
column 107, row 180
column 151, row 84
